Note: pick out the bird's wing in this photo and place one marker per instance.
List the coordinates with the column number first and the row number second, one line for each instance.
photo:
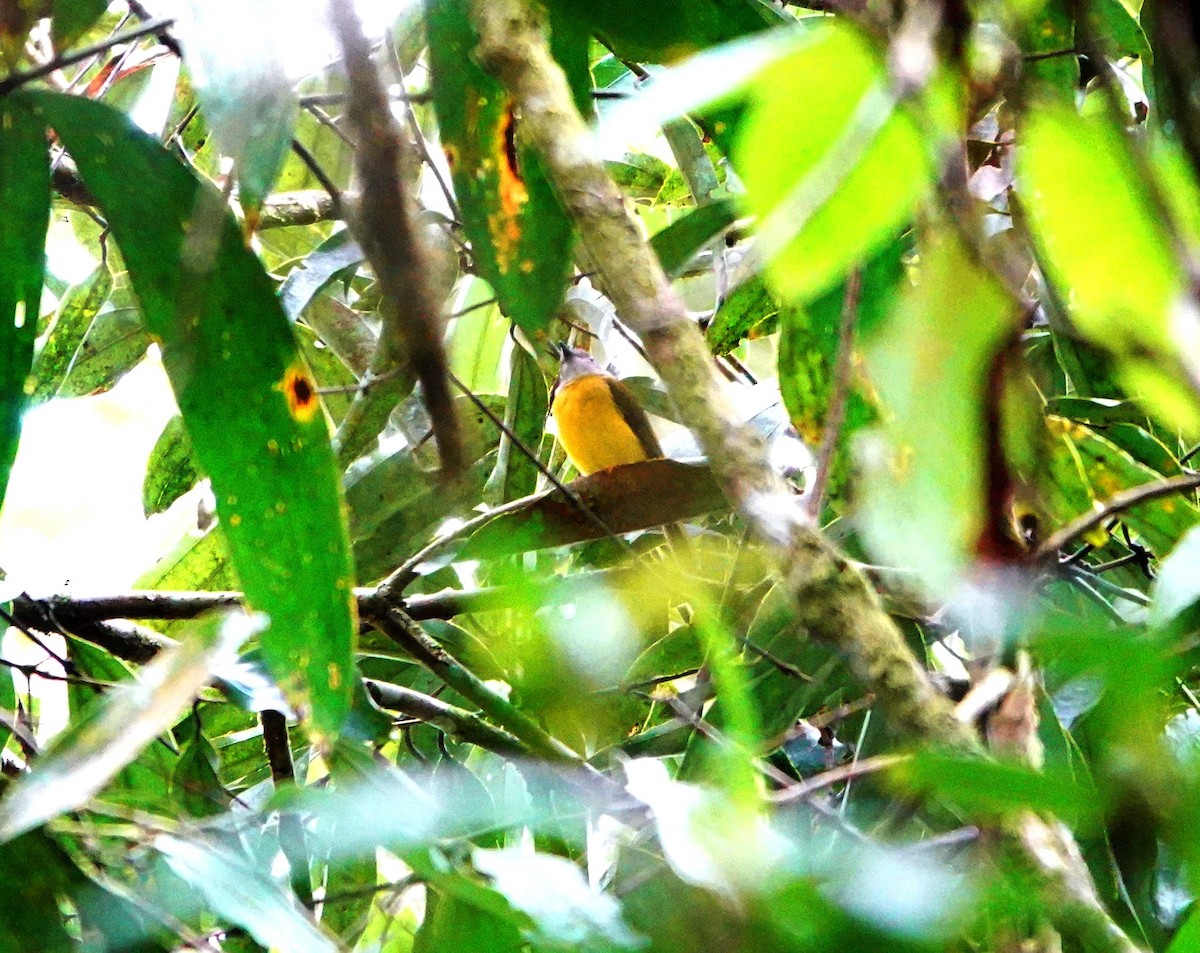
column 635, row 417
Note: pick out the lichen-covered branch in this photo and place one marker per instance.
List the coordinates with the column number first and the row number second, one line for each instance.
column 834, row 600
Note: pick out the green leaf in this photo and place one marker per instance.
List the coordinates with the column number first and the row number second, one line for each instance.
column 242, row 894
column 227, row 344
column 453, row 925
column 337, row 253
column 25, row 199
column 129, row 718
column 1118, row 31
column 679, row 242
column 195, row 783
column 520, row 236
column 114, row 344
column 72, row 18
column 76, row 312
column 832, row 166
column 170, row 471
column 750, row 311
column 525, row 410
column 1177, row 586
column 924, row 496
column 1051, row 30
column 1103, row 243
column 32, row 872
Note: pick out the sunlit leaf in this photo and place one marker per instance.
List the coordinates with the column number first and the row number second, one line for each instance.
column 1108, row 249
column 128, row 720
column 831, row 197
column 273, row 470
column 25, row 199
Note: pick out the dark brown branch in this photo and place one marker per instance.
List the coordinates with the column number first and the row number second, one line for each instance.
column 384, row 224
column 292, row 842
column 457, row 721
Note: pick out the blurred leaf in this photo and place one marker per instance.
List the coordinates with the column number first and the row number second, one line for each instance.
column 520, row 236
column 924, row 498
column 1177, row 586
column 750, row 311
column 1085, row 469
column 25, row 199
column 170, row 471
column 809, row 345
column 329, row 372
column 72, row 18
column 84, row 759
column 979, row 788
column 33, row 873
column 1051, row 30
column 72, row 321
column 1126, row 288
column 195, row 784
column 831, row 197
column 567, row 914
column 243, row 88
column 680, row 241
column 273, row 472
column 1118, row 31
column 242, row 894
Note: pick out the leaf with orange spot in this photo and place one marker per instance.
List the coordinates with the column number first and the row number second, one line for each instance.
column 519, row 234
column 248, row 403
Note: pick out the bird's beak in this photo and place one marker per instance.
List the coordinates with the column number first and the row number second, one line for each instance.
column 561, row 350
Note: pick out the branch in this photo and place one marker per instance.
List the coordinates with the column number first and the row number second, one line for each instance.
column 384, row 225
column 834, row 601
column 459, row 722
column 1117, row 504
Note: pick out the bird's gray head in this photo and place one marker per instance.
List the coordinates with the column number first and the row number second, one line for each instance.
column 575, row 363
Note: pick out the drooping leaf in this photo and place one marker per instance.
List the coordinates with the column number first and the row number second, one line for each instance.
column 243, row 89
column 112, row 346
column 170, row 471
column 273, row 473
column 452, row 925
column 84, row 759
column 1126, row 287
column 525, row 416
column 519, row 233
column 25, row 199
column 833, row 196
column 72, row 321
column 335, row 254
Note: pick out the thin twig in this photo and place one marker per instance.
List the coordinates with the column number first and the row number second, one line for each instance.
column 1118, row 503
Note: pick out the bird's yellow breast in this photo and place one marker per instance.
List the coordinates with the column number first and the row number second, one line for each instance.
column 591, row 427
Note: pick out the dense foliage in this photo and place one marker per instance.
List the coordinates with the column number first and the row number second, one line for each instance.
column 898, row 652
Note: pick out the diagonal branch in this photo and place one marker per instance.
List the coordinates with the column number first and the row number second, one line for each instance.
column 384, row 224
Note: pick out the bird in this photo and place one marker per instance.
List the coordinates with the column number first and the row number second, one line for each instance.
column 600, row 423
